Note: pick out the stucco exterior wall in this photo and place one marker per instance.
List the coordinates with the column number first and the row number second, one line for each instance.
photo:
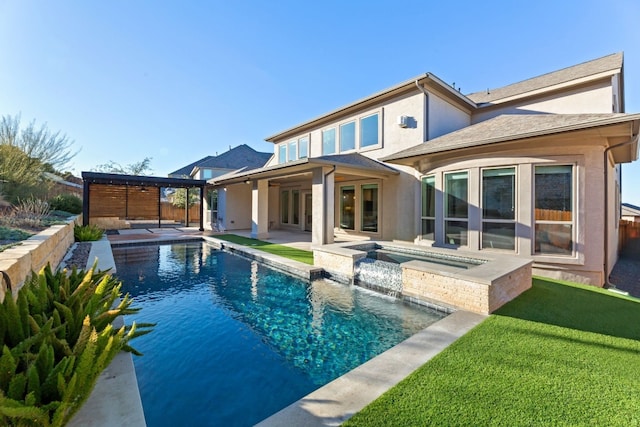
column 595, row 98
column 445, row 117
column 236, row 208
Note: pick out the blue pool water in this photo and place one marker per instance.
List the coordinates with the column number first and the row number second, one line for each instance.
column 236, row 341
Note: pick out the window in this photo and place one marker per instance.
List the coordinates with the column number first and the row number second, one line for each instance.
column 369, row 131
column 429, row 207
column 328, row 141
column 303, row 147
column 499, row 208
column 284, row 204
column 282, row 153
column 295, row 208
column 207, row 174
column 370, row 208
column 456, row 209
column 293, row 151
column 348, row 136
column 214, row 206
column 554, row 210
column 347, row 207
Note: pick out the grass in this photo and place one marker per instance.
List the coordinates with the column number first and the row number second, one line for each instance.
column 560, row 354
column 272, row 248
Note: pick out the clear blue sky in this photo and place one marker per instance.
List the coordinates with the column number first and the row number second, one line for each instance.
column 180, row 80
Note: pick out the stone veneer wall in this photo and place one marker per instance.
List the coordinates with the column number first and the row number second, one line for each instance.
column 48, row 246
column 466, row 294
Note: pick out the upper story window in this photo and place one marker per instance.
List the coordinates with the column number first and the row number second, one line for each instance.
column 553, row 189
column 207, row 174
column 328, row 141
column 293, row 150
column 348, row 136
column 369, row 131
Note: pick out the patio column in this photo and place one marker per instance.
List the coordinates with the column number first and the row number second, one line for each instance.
column 260, row 209
column 322, row 190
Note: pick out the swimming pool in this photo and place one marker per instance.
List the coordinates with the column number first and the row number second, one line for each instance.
column 236, row 341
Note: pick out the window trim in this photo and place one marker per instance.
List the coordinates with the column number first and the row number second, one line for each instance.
column 575, row 210
column 435, row 213
column 446, row 218
column 378, row 144
column 513, row 221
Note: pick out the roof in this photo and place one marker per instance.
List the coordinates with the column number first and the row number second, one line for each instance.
column 352, row 161
column 429, row 80
column 591, row 68
column 509, row 128
column 186, row 170
column 236, row 158
column 140, row 180
column 630, row 210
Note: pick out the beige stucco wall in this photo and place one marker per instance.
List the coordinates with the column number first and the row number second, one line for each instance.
column 445, row 117
column 595, row 98
column 237, row 207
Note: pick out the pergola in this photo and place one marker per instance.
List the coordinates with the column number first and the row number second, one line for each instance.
column 114, row 195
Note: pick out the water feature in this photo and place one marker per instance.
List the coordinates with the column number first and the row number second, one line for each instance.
column 236, row 341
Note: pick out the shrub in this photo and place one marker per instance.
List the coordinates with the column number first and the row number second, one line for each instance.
column 87, row 233
column 66, row 202
column 56, row 339
column 28, row 213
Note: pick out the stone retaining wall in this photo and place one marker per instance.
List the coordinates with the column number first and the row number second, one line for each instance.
column 48, row 246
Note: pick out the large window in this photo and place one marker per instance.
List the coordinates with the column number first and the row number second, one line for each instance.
column 554, row 210
column 328, row 141
column 282, row 153
column 456, row 209
column 499, row 208
column 429, row 207
column 293, row 150
column 284, row 207
column 303, row 147
column 370, row 208
column 369, row 131
column 214, row 206
column 347, row 207
column 348, row 136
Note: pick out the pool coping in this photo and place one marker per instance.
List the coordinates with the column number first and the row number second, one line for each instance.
column 116, row 400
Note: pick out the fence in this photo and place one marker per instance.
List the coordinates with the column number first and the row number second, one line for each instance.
column 628, row 230
column 169, row 211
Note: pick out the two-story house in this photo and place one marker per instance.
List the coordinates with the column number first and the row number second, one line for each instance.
column 529, row 169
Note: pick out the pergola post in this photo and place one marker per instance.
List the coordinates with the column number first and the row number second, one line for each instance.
column 202, row 208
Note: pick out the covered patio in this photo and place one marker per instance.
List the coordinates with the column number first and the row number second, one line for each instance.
column 113, row 200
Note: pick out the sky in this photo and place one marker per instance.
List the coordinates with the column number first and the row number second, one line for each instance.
column 179, row 80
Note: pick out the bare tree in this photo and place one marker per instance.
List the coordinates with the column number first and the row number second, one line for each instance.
column 140, row 168
column 37, row 142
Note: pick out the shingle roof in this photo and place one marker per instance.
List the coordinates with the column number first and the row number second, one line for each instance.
column 186, row 170
column 509, row 128
column 630, row 210
column 586, row 69
column 236, row 158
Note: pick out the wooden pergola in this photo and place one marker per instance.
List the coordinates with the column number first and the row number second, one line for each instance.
column 124, row 196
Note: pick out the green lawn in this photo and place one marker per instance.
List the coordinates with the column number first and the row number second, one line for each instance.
column 560, row 354
column 272, row 248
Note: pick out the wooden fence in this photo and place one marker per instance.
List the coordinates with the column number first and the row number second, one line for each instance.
column 628, row 230
column 169, row 211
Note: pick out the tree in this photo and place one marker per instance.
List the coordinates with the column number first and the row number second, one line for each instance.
column 179, row 196
column 140, row 168
column 40, row 145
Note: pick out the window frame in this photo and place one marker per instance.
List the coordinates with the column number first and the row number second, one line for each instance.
column 575, row 209
column 451, row 219
column 424, row 209
column 335, row 141
column 378, row 143
column 514, row 205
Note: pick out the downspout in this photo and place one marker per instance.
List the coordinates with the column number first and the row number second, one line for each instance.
column 426, row 111
column 324, row 205
column 606, row 210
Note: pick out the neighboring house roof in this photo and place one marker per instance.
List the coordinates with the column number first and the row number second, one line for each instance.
column 429, row 80
column 574, row 73
column 512, row 127
column 630, row 210
column 58, row 179
column 185, row 171
column 351, row 161
column 236, row 158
